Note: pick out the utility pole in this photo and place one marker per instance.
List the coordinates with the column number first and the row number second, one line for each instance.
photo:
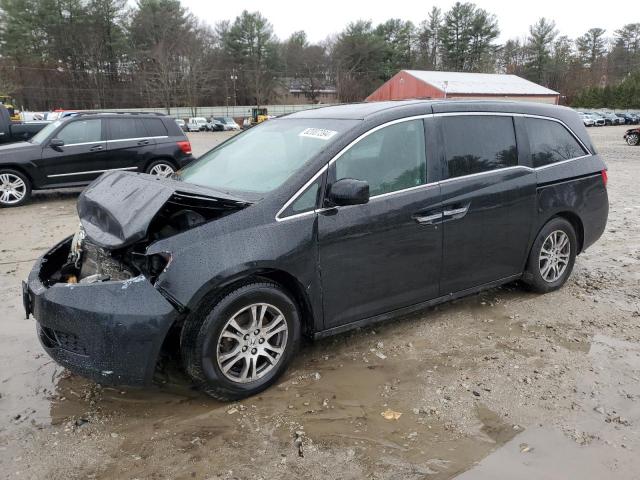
column 226, row 95
column 234, row 77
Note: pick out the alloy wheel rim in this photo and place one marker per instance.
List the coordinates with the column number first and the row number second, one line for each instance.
column 633, row 139
column 554, row 256
column 252, row 343
column 161, row 170
column 12, row 189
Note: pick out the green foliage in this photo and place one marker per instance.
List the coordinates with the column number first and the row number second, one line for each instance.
column 539, row 48
column 591, row 46
column 397, row 38
column 116, row 53
column 624, row 95
column 466, row 36
column 251, row 47
column 428, row 41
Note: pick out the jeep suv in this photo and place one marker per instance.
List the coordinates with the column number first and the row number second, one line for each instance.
column 76, row 150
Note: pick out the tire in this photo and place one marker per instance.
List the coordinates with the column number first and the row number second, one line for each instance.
column 633, row 139
column 537, row 276
column 161, row 168
column 15, row 188
column 203, row 346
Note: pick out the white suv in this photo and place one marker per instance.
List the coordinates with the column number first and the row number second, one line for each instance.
column 197, row 124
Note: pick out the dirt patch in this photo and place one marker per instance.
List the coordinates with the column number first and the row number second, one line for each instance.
column 471, row 379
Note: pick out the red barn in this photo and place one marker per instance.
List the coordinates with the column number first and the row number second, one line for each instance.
column 412, row 84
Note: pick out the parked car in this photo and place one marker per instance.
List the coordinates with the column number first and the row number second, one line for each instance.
column 628, row 118
column 76, row 150
column 612, row 119
column 60, row 114
column 214, row 125
column 197, row 124
column 587, row 120
column 17, row 131
column 182, row 124
column 632, row 137
column 228, row 122
column 598, row 119
column 400, row 205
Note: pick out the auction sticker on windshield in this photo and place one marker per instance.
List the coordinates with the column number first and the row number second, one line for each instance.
column 320, row 133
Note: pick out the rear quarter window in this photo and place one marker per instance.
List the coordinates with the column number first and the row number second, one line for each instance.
column 478, row 143
column 550, row 142
column 123, row 128
column 155, row 127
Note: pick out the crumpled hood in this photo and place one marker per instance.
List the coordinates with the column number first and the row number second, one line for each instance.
column 117, row 208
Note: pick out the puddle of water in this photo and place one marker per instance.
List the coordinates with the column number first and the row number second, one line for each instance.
column 598, row 440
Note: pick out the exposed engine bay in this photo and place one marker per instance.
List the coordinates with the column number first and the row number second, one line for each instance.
column 115, row 231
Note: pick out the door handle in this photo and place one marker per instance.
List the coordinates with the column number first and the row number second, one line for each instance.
column 455, row 211
column 143, row 142
column 97, row 148
column 427, row 219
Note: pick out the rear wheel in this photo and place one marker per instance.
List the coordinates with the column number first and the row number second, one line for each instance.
column 15, row 188
column 161, row 168
column 633, row 139
column 552, row 256
column 240, row 344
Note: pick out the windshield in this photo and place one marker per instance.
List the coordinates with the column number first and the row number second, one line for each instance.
column 43, row 134
column 264, row 157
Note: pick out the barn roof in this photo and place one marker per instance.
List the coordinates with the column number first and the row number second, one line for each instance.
column 480, row 83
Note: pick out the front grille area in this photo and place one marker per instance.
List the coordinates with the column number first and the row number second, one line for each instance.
column 66, row 341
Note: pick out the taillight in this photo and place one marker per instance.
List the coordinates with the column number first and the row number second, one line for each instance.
column 605, row 178
column 185, row 146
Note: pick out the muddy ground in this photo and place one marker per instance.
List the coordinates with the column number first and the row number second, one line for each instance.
column 505, row 384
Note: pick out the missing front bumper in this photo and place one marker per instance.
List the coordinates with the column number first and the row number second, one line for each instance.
column 110, row 332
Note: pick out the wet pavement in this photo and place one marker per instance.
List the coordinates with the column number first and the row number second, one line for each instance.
column 505, row 384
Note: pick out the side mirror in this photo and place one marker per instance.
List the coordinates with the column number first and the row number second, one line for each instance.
column 349, row 191
column 56, row 143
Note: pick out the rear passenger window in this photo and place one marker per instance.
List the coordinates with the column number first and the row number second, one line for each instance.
column 390, row 159
column 480, row 143
column 155, row 127
column 123, row 128
column 551, row 142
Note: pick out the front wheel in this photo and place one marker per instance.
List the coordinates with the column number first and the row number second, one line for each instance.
column 552, row 256
column 633, row 139
column 15, row 188
column 240, row 344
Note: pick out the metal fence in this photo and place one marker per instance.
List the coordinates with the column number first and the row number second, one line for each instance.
column 240, row 111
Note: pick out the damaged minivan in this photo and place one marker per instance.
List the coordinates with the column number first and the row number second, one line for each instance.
column 312, row 224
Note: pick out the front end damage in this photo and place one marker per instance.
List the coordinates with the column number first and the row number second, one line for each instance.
column 98, row 312
column 121, row 214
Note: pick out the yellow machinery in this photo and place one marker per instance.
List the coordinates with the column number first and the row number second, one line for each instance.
column 8, row 102
column 259, row 115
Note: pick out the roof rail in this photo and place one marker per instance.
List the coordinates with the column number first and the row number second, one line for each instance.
column 158, row 114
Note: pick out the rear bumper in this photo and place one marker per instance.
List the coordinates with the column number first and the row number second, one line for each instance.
column 109, row 332
column 184, row 161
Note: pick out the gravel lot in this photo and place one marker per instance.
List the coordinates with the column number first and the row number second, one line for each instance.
column 498, row 383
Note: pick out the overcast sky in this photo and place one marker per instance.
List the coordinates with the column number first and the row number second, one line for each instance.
column 321, row 18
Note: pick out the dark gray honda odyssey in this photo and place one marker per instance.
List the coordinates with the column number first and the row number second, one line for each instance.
column 313, row 224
